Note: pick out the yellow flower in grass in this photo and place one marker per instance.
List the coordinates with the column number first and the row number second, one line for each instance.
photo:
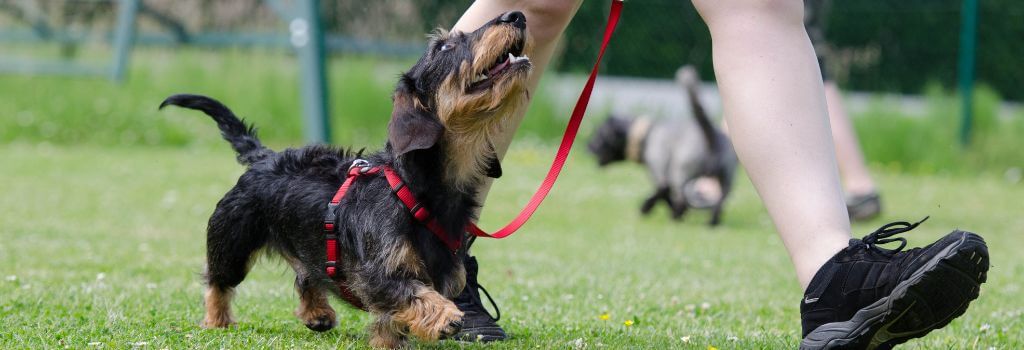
column 712, row 347
column 604, row 317
column 628, row 323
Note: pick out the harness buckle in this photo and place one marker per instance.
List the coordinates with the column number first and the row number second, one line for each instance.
column 362, row 164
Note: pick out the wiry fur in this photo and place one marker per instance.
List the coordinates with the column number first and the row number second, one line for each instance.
column 676, row 152
column 396, row 267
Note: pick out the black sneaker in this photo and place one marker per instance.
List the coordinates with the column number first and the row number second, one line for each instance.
column 868, row 297
column 864, row 207
column 477, row 324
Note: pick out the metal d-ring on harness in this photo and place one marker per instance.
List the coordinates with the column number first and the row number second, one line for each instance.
column 358, row 168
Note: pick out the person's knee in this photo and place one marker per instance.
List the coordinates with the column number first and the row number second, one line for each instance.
column 715, row 12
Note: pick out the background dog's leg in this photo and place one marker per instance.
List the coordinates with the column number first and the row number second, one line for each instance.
column 677, row 200
column 233, row 235
column 659, row 194
column 314, row 309
column 725, row 184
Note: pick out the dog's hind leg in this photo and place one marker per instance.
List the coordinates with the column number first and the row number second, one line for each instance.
column 314, row 308
column 233, row 236
column 677, row 200
column 659, row 194
column 725, row 184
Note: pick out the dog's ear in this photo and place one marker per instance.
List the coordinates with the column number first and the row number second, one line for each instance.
column 412, row 126
column 493, row 164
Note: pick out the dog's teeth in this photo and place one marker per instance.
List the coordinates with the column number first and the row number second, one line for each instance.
column 518, row 59
column 479, row 77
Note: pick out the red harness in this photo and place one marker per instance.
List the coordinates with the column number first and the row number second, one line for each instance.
column 419, row 212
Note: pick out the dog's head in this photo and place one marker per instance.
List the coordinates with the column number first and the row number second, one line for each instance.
column 462, row 90
column 609, row 141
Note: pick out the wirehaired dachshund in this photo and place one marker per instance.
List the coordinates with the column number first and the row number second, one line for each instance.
column 446, row 108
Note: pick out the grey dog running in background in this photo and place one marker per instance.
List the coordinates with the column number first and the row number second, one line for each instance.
column 676, row 152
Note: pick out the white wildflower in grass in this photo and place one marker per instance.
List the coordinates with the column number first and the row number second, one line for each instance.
column 732, row 338
column 95, row 343
column 101, row 276
column 985, row 327
column 685, row 339
column 150, row 285
column 139, row 344
column 705, row 306
column 11, row 278
column 578, row 344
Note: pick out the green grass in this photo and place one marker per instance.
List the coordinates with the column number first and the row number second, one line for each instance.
column 100, row 247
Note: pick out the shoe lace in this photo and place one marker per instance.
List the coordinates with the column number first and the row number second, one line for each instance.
column 883, row 234
column 493, row 304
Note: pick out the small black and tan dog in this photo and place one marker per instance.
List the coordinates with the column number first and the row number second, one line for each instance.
column 676, row 152
column 446, row 108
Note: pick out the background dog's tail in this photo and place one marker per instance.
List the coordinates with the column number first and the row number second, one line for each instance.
column 242, row 138
column 687, row 77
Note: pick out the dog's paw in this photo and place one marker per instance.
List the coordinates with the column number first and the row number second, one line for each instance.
column 321, row 324
column 452, row 329
column 320, row 319
column 431, row 316
column 217, row 322
column 387, row 341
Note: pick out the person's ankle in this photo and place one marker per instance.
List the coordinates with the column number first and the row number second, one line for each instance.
column 810, row 264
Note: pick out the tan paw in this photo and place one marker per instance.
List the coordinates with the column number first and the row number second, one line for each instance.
column 431, row 316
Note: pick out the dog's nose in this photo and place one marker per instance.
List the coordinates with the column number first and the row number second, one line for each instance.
column 517, row 18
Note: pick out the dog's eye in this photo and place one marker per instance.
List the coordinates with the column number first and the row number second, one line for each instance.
column 446, row 47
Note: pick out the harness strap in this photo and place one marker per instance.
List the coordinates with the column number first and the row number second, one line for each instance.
column 567, row 140
column 418, row 211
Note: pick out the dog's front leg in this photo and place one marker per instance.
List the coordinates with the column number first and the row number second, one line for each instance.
column 429, row 315
column 402, row 302
column 659, row 194
column 410, row 307
column 425, row 314
column 314, row 310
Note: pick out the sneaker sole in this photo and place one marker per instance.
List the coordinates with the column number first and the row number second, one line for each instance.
column 917, row 305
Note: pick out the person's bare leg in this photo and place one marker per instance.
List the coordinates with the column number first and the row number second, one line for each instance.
column 856, row 177
column 545, row 22
column 772, row 94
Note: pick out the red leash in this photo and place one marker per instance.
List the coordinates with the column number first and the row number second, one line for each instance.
column 567, row 140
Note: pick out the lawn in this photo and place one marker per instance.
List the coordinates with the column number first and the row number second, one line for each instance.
column 101, row 246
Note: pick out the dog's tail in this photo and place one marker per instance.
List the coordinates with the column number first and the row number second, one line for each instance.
column 687, row 77
column 242, row 138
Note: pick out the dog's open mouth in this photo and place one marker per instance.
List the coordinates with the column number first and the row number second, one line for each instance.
column 510, row 61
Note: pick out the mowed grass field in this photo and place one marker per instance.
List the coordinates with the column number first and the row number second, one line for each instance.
column 102, row 246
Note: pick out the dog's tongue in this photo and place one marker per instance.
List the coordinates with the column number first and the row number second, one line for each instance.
column 499, row 67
